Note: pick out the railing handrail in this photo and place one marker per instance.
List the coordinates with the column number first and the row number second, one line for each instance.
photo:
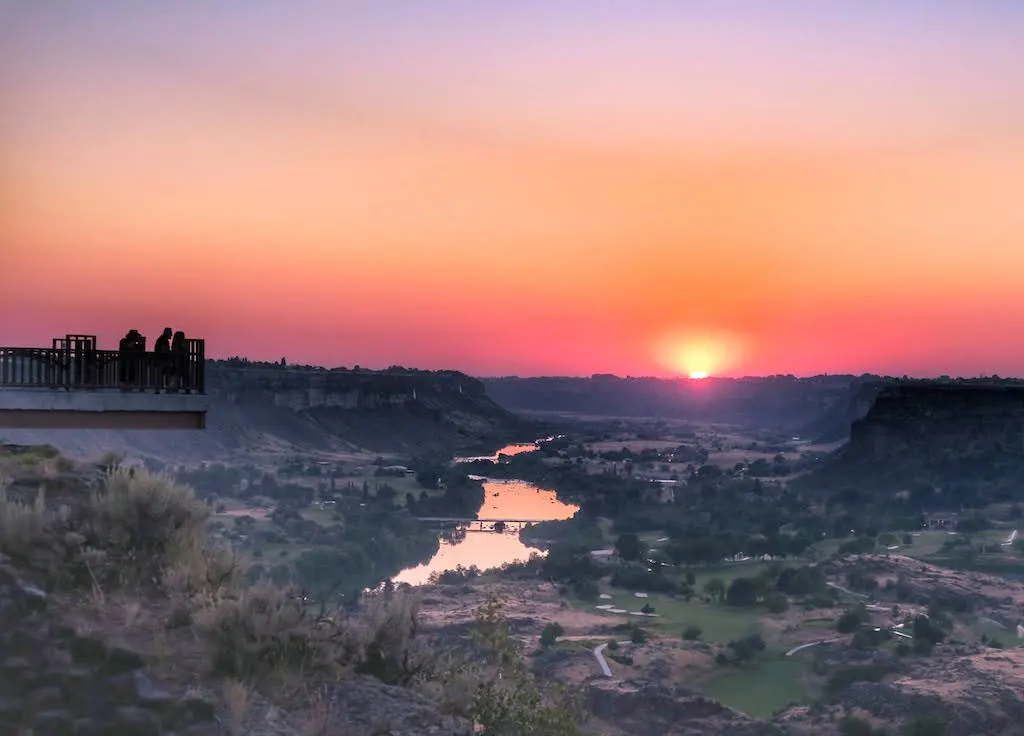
column 74, row 362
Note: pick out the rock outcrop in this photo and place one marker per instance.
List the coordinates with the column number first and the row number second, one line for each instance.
column 930, row 418
column 56, row 681
column 951, row 444
column 978, row 694
column 907, row 580
column 648, row 709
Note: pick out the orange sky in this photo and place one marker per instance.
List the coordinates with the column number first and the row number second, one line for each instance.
column 544, row 190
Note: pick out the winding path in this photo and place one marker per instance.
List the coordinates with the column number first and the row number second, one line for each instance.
column 841, row 589
column 794, row 650
column 601, row 661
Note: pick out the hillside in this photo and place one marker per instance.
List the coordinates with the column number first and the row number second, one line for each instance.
column 948, row 443
column 784, row 402
column 259, row 411
column 123, row 613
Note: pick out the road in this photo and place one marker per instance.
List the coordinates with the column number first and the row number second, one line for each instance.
column 601, row 661
column 841, row 589
column 794, row 650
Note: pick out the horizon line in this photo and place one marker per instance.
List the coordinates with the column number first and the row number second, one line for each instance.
column 600, row 375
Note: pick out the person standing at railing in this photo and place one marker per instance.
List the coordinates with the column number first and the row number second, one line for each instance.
column 179, row 358
column 163, row 364
column 129, row 359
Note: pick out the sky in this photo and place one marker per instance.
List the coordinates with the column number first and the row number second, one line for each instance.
column 536, row 188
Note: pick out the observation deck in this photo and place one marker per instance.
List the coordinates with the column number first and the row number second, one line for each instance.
column 75, row 385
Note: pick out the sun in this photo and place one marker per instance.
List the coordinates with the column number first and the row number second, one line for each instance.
column 700, row 354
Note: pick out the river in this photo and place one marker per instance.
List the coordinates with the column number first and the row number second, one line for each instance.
column 503, row 499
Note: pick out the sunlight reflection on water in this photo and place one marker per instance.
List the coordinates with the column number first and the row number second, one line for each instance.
column 503, row 499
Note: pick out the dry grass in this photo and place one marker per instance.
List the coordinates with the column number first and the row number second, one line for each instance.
column 238, row 697
column 320, row 715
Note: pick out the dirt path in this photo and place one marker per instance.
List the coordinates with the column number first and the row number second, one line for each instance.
column 601, row 661
column 800, row 648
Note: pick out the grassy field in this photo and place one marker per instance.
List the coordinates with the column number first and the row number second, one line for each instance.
column 820, row 623
column 718, row 623
column 1006, row 637
column 728, row 571
column 927, row 545
column 761, row 688
column 324, row 517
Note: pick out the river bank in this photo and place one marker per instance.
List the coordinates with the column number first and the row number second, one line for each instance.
column 462, row 544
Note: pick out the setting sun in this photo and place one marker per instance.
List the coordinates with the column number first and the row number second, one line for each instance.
column 700, row 354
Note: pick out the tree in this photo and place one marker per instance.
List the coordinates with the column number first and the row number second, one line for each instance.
column 629, row 548
column 550, row 634
column 715, row 588
column 741, row 592
column 851, row 620
column 776, row 603
column 507, row 700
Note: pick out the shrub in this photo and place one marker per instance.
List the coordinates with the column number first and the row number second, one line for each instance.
column 847, row 675
column 507, row 699
column 850, row 621
column 262, row 631
column 692, row 633
column 382, row 640
column 866, row 639
column 776, row 603
column 23, row 526
column 147, row 525
column 586, row 590
column 268, row 632
column 550, row 634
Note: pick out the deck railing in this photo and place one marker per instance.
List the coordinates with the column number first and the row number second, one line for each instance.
column 74, row 363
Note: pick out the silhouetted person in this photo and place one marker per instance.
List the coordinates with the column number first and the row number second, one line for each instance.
column 162, row 364
column 128, row 359
column 179, row 362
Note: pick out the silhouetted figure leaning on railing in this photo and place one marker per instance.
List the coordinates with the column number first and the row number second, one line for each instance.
column 131, row 350
column 163, row 361
column 179, row 363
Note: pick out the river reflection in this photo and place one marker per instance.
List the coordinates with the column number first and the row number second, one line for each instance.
column 504, row 499
column 506, row 450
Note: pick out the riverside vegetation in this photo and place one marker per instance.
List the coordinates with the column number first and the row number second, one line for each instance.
column 125, row 556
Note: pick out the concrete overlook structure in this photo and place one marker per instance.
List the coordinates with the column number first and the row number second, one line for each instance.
column 74, row 385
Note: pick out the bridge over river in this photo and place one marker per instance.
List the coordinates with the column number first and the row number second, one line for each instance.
column 478, row 525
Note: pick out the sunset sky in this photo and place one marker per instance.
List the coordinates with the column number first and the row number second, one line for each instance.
column 531, row 187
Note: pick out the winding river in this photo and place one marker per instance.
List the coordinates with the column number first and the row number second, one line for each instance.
column 503, row 499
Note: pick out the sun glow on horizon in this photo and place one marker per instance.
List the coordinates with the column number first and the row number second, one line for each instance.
column 698, row 355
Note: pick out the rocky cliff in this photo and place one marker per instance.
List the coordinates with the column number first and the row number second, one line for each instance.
column 833, row 424
column 263, row 410
column 926, row 418
column 54, row 680
column 964, row 440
